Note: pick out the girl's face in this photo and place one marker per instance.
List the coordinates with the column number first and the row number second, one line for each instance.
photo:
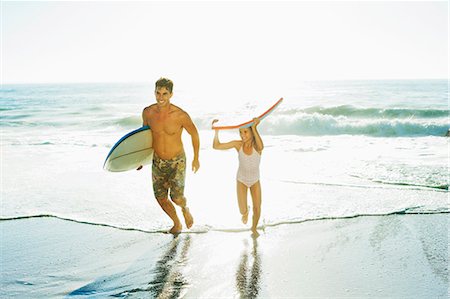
column 246, row 134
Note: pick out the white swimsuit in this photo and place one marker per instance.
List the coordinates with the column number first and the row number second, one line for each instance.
column 248, row 172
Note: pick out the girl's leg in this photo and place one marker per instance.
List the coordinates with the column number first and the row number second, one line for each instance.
column 255, row 191
column 242, row 200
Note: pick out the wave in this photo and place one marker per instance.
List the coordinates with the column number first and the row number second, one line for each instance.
column 201, row 229
column 6, row 109
column 407, row 211
column 76, row 119
column 318, row 124
column 78, row 221
column 350, row 120
column 438, row 187
column 357, row 112
column 198, row 230
column 7, row 90
column 129, row 122
column 384, row 185
column 310, row 121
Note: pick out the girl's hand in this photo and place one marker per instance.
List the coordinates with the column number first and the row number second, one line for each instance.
column 256, row 121
column 213, row 122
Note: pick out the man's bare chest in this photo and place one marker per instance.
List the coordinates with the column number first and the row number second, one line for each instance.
column 165, row 124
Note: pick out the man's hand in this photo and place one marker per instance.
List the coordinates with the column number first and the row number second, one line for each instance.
column 195, row 165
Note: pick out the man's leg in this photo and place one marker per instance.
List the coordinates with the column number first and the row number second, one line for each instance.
column 169, row 208
column 161, row 191
column 177, row 188
column 181, row 202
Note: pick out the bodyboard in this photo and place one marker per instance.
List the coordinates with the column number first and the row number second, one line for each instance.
column 250, row 122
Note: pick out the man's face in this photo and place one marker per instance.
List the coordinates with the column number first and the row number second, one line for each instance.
column 163, row 96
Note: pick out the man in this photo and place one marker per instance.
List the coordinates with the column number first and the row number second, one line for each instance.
column 167, row 122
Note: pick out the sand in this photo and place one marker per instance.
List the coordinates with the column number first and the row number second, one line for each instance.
column 397, row 256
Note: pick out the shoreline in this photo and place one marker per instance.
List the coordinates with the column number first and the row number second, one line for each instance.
column 207, row 228
column 368, row 256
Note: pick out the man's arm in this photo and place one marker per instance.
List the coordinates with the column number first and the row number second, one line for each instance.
column 144, row 118
column 192, row 130
column 144, row 123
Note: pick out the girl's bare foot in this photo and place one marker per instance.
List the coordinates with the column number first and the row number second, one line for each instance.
column 255, row 233
column 245, row 216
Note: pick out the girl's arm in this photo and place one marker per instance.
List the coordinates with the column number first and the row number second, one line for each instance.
column 223, row 146
column 259, row 145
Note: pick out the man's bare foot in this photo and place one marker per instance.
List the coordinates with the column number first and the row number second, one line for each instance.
column 245, row 217
column 187, row 217
column 176, row 229
column 255, row 233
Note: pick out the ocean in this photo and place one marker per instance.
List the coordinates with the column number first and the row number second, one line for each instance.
column 333, row 149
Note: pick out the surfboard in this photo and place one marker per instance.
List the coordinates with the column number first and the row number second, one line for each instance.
column 131, row 151
column 250, row 122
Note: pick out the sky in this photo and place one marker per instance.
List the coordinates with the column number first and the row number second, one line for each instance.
column 222, row 44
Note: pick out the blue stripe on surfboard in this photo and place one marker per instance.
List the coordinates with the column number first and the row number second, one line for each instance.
column 123, row 138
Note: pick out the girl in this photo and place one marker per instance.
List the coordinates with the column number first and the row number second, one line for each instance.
column 249, row 150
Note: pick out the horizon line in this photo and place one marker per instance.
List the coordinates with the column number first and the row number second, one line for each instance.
column 145, row 82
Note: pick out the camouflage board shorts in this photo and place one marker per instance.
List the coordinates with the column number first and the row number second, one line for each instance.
column 169, row 174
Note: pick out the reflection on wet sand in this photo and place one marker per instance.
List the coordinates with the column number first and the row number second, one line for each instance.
column 144, row 278
column 169, row 281
column 248, row 277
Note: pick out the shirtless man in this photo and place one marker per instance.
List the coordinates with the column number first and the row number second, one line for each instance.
column 167, row 122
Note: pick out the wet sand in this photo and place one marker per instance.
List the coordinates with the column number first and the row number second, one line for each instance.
column 371, row 257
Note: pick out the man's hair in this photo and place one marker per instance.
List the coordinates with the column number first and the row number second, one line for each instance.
column 164, row 82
